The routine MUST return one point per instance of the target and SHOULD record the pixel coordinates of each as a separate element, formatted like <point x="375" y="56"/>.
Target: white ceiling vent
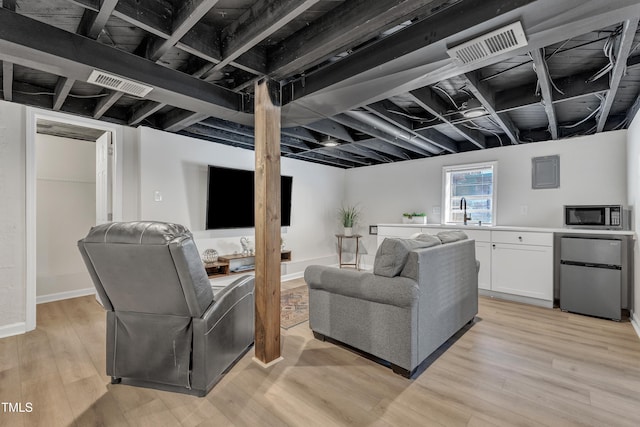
<point x="118" y="83"/>
<point x="491" y="44"/>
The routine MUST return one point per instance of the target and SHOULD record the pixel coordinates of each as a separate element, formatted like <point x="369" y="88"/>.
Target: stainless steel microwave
<point x="608" y="217"/>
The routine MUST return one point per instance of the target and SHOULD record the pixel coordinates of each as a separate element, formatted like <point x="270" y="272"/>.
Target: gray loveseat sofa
<point x="165" y="328"/>
<point x="421" y="292"/>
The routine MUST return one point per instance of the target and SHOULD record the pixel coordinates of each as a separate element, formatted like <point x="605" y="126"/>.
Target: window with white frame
<point x="476" y="184"/>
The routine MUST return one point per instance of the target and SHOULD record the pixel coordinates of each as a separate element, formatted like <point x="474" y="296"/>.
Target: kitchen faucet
<point x="463" y="202"/>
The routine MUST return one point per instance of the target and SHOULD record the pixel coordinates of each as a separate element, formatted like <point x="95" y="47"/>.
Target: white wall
<point x="633" y="174"/>
<point x="176" y="166"/>
<point x="592" y="170"/>
<point x="66" y="210"/>
<point x="12" y="218"/>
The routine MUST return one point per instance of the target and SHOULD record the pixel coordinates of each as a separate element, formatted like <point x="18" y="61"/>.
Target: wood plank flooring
<point x="517" y="365"/>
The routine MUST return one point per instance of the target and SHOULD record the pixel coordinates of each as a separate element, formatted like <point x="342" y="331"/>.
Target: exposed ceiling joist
<point x="458" y="17"/>
<point x="177" y="120"/>
<point x="323" y="159"/>
<point x="9" y="4"/>
<point x="105" y="103"/>
<point x="361" y="151"/>
<point x="92" y="23"/>
<point x="629" y="29"/>
<point x="142" y="110"/>
<point x="388" y="111"/>
<point x="348" y="24"/>
<point x="75" y="57"/>
<point x="542" y="70"/>
<point x="336" y="154"/>
<point x="63" y="86"/>
<point x="184" y="19"/>
<point x="427" y="99"/>
<point x="383" y="147"/>
<point x="485" y="95"/>
<point x="7" y="80"/>
<point x="301" y="133"/>
<point x="257" y="23"/>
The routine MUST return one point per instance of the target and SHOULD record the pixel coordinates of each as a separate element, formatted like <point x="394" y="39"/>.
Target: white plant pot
<point x="406" y="220"/>
<point x="348" y="231"/>
<point x="419" y="219"/>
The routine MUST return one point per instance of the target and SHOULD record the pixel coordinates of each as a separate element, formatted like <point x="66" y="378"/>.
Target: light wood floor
<point x="518" y="365"/>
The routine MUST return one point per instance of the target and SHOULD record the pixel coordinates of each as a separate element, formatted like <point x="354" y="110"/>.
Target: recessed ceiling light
<point x="473" y="109"/>
<point x="331" y="143"/>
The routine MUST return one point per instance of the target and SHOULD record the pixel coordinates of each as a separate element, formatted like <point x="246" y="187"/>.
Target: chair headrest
<point x="137" y="232"/>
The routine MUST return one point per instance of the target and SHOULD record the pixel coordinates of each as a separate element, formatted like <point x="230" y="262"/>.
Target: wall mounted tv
<point x="230" y="198"/>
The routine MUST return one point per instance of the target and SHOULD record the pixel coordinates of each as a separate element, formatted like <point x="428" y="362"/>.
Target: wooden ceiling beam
<point x="629" y="29"/>
<point x="259" y="22"/>
<point x="75" y="57"/>
<point x="106" y="102"/>
<point x="383" y="109"/>
<point x="63" y="87"/>
<point x="92" y="23"/>
<point x="485" y="95"/>
<point x="542" y="70"/>
<point x="7" y="80"/>
<point x="450" y="21"/>
<point x="183" y="20"/>
<point x="347" y="25"/>
<point x="427" y="99"/>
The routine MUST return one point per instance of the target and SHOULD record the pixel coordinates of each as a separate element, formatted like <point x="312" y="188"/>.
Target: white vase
<point x="348" y="231"/>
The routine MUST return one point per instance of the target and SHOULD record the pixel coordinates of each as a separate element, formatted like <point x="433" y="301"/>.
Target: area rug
<point x="294" y="306"/>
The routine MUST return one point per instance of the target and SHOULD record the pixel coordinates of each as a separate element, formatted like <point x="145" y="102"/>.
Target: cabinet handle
<point x="520" y="238"/>
<point x="494" y="246"/>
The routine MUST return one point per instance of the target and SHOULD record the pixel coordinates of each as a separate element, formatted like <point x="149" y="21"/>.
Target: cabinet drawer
<point x="522" y="238"/>
<point x="478" y="235"/>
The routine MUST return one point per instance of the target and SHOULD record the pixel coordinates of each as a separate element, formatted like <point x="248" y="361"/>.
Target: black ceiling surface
<point x="362" y="82"/>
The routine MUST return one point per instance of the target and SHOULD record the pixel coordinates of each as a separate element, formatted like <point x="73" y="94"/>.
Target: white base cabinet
<point x="513" y="263"/>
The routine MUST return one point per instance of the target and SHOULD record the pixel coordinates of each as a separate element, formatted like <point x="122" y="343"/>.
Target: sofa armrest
<point x="226" y="299"/>
<point x="397" y="291"/>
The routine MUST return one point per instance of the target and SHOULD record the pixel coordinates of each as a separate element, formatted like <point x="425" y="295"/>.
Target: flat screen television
<point x="230" y="198"/>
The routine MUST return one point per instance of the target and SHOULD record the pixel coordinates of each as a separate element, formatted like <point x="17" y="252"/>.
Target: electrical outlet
<point x="157" y="196"/>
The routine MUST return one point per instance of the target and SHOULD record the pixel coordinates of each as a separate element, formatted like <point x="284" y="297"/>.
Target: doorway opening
<point x="73" y="182"/>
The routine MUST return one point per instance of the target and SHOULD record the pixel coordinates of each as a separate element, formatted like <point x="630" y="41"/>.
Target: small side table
<point x="340" y="239"/>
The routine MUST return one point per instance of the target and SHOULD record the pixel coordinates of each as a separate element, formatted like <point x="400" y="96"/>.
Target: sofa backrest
<point x="393" y="253"/>
<point x="147" y="267"/>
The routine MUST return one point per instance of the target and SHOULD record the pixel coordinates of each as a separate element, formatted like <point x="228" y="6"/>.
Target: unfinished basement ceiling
<point x="362" y="82"/>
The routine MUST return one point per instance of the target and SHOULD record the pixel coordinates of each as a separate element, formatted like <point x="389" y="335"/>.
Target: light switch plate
<point x="157" y="196"/>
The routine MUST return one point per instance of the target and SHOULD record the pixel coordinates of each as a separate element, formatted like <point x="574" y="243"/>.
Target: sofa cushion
<point x="426" y="238"/>
<point x="451" y="236"/>
<point x="393" y="252"/>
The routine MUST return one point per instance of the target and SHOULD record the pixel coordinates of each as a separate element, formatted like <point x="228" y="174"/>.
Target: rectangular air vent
<point x="118" y="83"/>
<point x="491" y="44"/>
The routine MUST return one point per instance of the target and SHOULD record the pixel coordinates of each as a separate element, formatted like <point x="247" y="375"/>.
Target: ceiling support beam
<point x="267" y="219"/>
<point x="92" y="23"/>
<point x="256" y="24"/>
<point x="105" y="103"/>
<point x="301" y="133"/>
<point x="177" y="120"/>
<point x="63" y="87"/>
<point x="348" y="24"/>
<point x="361" y="151"/>
<point x="142" y="110"/>
<point x="322" y="159"/>
<point x="336" y="154"/>
<point x="427" y="99"/>
<point x="456" y="18"/>
<point x="485" y="95"/>
<point x="7" y="80"/>
<point x="545" y="89"/>
<point x="384" y="110"/>
<point x="75" y="57"/>
<point x="186" y="17"/>
<point x="383" y="147"/>
<point x="629" y="29"/>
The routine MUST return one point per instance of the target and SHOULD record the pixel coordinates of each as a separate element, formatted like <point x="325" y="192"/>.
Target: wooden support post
<point x="267" y="220"/>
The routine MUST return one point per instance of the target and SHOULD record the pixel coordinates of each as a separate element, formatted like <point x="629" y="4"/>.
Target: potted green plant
<point x="414" y="218"/>
<point x="349" y="216"/>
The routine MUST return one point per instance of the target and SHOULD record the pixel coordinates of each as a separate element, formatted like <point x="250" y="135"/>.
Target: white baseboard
<point x="41" y="299"/>
<point x="635" y="321"/>
<point x="13" y="329"/>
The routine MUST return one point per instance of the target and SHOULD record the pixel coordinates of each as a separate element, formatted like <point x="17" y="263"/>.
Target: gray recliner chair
<point x="165" y="330"/>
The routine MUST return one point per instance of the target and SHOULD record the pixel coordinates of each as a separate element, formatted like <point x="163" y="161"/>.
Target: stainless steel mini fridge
<point x="591" y="276"/>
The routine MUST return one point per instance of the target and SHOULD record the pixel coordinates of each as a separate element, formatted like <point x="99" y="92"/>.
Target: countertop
<point x="516" y="228"/>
